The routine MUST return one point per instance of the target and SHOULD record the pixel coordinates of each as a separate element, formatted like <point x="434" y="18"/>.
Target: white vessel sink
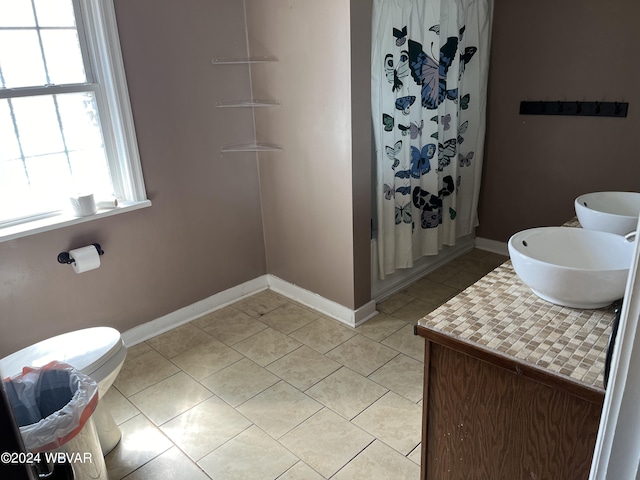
<point x="573" y="267"/>
<point x="615" y="212"/>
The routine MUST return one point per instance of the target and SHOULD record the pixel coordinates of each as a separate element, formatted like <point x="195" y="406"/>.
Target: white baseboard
<point x="327" y="307"/>
<point x="492" y="246"/>
<point x="350" y="317"/>
<point x="191" y="312"/>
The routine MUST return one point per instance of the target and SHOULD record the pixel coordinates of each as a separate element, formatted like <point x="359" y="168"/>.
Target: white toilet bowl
<point x="98" y="352"/>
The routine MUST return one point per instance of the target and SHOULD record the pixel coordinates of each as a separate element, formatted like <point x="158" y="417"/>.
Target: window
<point x="65" y="119"/>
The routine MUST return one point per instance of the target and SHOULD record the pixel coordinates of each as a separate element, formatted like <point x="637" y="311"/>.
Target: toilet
<point x="98" y="352"/>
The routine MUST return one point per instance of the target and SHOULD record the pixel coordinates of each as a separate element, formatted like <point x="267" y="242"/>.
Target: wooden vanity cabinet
<point x="488" y="416"/>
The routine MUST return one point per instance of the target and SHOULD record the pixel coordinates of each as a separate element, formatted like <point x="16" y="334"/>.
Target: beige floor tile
<point x="414" y="311"/>
<point x="205" y="427"/>
<point x="289" y="317"/>
<point x="250" y="455"/>
<point x="301" y="471"/>
<point x="393" y="303"/>
<point x="326" y="442"/>
<point x="362" y="354"/>
<point x="120" y="408"/>
<point x="279" y="409"/>
<point x="206" y="358"/>
<point x="346" y="392"/>
<point x="171" y="465"/>
<point x="379" y="462"/>
<point x="239" y="382"/>
<point x="478" y="261"/>
<point x="415" y="455"/>
<point x="406" y="342"/>
<point x="168" y="398"/>
<point x="394" y="420"/>
<point x="260" y="304"/>
<point x="229" y="325"/>
<point x="137" y="350"/>
<point x="323" y="334"/>
<point x="313" y="426"/>
<point x="442" y="274"/>
<point x="178" y="340"/>
<point x="143" y="371"/>
<point x="380" y="326"/>
<point x="462" y="280"/>
<point x="431" y="292"/>
<point x="141" y="441"/>
<point x="402" y="375"/>
<point x="303" y="367"/>
<point x="266" y="346"/>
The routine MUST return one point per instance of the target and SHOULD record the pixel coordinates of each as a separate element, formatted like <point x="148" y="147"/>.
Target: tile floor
<point x="266" y="388"/>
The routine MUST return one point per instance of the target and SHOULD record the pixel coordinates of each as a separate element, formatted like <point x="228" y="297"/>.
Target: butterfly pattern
<point x="403" y="213"/>
<point x="446" y="152"/>
<point x="462" y="129"/>
<point x="431" y="73"/>
<point x="428" y="68"/>
<point x="389" y="191"/>
<point x="393" y="151"/>
<point x="387" y="121"/>
<point x="404" y="103"/>
<point x="414" y="130"/>
<point x="401" y="36"/>
<point x="395" y="75"/>
<point x="464" y="101"/>
<point x="421" y="159"/>
<point x="466" y="58"/>
<point x="465" y="160"/>
<point x="445" y="120"/>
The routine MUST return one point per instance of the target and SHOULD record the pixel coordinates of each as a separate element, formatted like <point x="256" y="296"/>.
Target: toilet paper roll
<point x="85" y="259"/>
<point x="107" y="203"/>
<point x="83" y="205"/>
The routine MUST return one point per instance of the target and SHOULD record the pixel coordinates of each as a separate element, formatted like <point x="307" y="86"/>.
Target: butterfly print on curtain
<point x="411" y="62"/>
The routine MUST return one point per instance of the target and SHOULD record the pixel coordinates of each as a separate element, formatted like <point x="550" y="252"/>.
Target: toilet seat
<point x="87" y="350"/>
<point x="98" y="352"/>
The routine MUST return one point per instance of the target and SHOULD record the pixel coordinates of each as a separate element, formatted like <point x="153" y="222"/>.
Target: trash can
<point x="53" y="406"/>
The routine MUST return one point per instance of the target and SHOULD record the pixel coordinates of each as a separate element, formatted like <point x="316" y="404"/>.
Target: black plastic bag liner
<point x="51" y="404"/>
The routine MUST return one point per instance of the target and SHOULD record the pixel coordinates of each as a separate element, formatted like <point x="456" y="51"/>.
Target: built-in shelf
<point x="250" y="102"/>
<point x="247" y="103"/>
<point x="252" y="147"/>
<point x="239" y="60"/>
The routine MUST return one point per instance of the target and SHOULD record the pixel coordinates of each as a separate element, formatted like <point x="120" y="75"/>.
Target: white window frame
<point x="96" y="22"/>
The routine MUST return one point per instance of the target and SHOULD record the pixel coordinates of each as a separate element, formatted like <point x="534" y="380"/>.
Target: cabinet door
<point x="484" y="422"/>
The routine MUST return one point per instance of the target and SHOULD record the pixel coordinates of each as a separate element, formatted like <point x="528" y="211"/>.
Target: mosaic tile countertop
<point x="500" y="313"/>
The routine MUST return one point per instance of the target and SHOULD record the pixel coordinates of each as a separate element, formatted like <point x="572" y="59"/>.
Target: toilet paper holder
<point x="64" y="258"/>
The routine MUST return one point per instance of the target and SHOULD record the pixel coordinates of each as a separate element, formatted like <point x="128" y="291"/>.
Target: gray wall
<point x="535" y="166"/>
<point x="315" y="194"/>
<point x="204" y="232"/>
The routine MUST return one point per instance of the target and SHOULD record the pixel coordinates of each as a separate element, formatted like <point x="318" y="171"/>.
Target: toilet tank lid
<point x="86" y="350"/>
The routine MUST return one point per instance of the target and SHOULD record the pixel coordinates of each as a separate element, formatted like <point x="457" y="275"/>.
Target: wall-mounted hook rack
<point x="576" y="107"/>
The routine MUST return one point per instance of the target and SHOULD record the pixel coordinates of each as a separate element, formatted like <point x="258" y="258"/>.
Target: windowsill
<point x="65" y="220"/>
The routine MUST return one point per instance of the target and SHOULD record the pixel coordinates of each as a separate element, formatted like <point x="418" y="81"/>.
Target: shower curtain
<point x="430" y="61"/>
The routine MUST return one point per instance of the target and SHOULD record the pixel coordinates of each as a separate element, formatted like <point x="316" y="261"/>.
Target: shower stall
<point x="429" y="75"/>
